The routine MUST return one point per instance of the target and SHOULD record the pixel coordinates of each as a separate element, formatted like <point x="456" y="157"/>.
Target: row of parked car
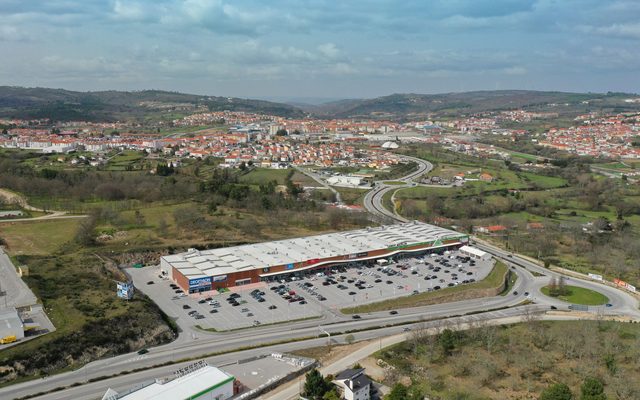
<point x="289" y="295"/>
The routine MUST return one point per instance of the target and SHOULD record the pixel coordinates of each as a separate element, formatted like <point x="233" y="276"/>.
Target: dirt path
<point x="17" y="199"/>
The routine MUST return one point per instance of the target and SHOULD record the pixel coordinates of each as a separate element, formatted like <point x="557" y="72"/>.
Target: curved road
<point x="373" y="201"/>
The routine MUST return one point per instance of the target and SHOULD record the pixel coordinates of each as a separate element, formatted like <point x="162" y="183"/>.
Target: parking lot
<point x="361" y="284"/>
<point x="213" y="310"/>
<point x="308" y="296"/>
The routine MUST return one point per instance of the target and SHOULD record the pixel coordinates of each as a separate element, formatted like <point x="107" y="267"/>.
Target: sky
<point x="321" y="48"/>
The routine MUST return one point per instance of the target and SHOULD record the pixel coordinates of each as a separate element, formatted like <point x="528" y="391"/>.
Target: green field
<point x="127" y="158"/>
<point x="38" y="237"/>
<point x="260" y="176"/>
<point x="578" y="295"/>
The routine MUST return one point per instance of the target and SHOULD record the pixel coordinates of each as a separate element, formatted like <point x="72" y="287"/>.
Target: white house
<point x="353" y="384"/>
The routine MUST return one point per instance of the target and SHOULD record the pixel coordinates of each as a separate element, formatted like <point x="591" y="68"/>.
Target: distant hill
<point x="410" y="106"/>
<point x="65" y="105"/>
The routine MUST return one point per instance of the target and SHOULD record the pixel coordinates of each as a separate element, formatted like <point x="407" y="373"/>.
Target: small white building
<point x="344" y="180"/>
<point x="353" y="384"/>
<point x="11" y="324"/>
<point x="197" y="381"/>
<point x="475" y="253"/>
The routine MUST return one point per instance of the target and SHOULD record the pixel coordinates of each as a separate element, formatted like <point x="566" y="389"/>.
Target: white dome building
<point x="390" y="145"/>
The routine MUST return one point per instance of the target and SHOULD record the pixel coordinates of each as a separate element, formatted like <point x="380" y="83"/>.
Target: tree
<point x="592" y="389"/>
<point x="331" y="395"/>
<point x="557" y="391"/>
<point x="281" y="132"/>
<point x="140" y="220"/>
<point x="164" y="169"/>
<point x="349" y="339"/>
<point x="398" y="392"/>
<point x="447" y="341"/>
<point x="84" y="234"/>
<point x="315" y="386"/>
<point x="162" y="227"/>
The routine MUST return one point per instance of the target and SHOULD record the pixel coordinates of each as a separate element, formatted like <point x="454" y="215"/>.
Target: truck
<point x="8" y="339"/>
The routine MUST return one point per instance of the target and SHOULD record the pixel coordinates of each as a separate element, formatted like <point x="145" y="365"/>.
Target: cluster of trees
<point x="591" y="389"/>
<point x="223" y="188"/>
<point x="474" y="206"/>
<point x="401" y="392"/>
<point x="317" y="387"/>
<point x="57" y="185"/>
<point x="558" y="287"/>
<point x="164" y="169"/>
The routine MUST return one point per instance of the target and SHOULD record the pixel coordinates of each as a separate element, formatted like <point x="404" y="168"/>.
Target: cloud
<point x="631" y="30"/>
<point x="329" y="50"/>
<point x="13" y="34"/>
<point x="515" y="70"/>
<point x="382" y="42"/>
<point x="130" y="10"/>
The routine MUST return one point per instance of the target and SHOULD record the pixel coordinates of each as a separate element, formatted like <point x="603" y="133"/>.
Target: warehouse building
<point x="197" y="381"/>
<point x="475" y="253"/>
<point x="199" y="271"/>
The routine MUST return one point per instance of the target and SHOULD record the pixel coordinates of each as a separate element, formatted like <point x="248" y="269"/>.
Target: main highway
<point x="262" y="340"/>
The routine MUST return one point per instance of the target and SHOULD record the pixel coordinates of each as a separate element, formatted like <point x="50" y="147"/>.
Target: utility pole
<point x="322" y="330"/>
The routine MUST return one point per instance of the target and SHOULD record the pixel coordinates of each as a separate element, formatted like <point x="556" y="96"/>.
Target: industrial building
<point x="475" y="253"/>
<point x="197" y="381"/>
<point x="11" y="326"/>
<point x="199" y="271"/>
